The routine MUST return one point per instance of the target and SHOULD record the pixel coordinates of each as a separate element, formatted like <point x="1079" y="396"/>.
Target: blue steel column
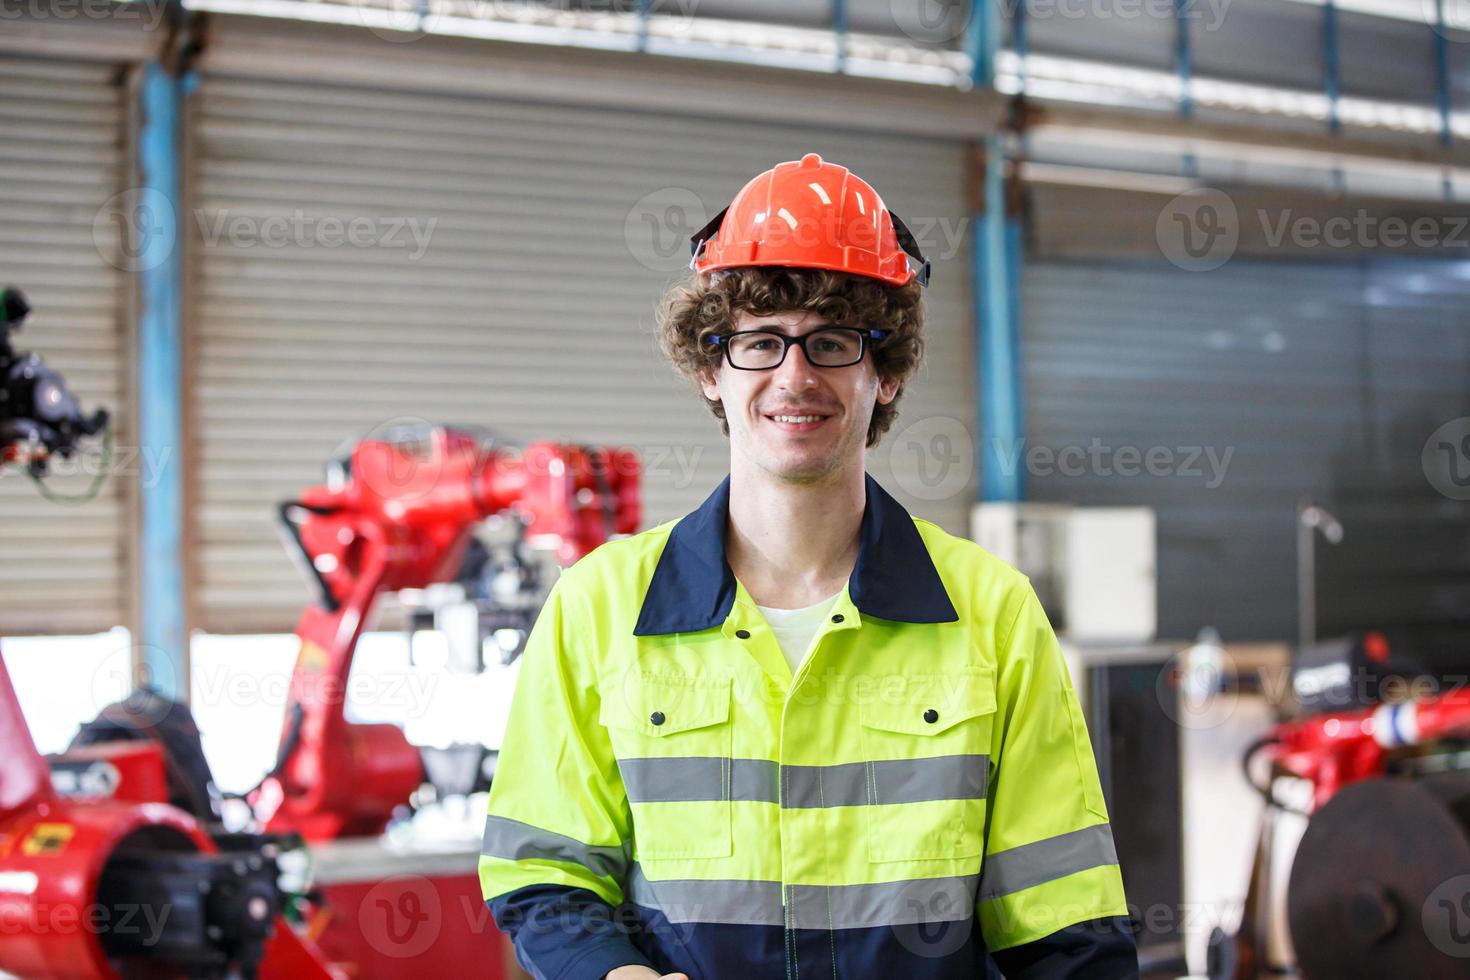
<point x="839" y="32"/>
<point x="996" y="285"/>
<point x="1442" y="79"/>
<point x="1331" y="72"/>
<point x="1184" y="65"/>
<point x="163" y="637"/>
<point x="1332" y="80"/>
<point x="645" y="9"/>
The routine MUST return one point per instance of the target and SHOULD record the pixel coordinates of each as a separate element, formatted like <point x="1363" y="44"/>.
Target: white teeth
<point x="797" y="418"/>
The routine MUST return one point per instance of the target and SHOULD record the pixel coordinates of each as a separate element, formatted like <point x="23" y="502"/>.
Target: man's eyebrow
<point x="781" y="328"/>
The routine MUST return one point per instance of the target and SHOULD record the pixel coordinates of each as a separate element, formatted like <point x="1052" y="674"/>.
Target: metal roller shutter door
<point x="1321" y="379"/>
<point x="529" y="312"/>
<point x="64" y="569"/>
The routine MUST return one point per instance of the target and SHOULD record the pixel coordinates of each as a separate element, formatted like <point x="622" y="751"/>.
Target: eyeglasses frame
<point x="865" y="337"/>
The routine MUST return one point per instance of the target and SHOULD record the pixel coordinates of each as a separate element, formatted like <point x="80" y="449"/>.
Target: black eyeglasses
<point x="761" y="350"/>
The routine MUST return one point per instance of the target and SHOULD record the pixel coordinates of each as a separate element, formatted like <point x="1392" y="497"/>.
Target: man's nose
<point x="796" y="371"/>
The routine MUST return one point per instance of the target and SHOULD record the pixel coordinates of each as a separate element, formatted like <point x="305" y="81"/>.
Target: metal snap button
<point x="837" y="618"/>
<point x="931" y="716"/>
<point x="657" y="717"/>
<point x="743" y="634"/>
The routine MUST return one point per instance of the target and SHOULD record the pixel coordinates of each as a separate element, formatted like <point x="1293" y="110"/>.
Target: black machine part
<point x="1380" y="886"/>
<point x="36" y="406"/>
<point x="1348" y="672"/>
<point x="147" y="715"/>
<point x="194" y="915"/>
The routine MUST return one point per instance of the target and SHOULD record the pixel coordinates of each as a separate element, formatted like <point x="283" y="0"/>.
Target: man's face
<point x="835" y="405"/>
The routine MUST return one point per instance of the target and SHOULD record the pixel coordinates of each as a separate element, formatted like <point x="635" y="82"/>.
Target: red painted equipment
<point x="400" y="515"/>
<point x="1331" y="751"/>
<point x="129" y="872"/>
<point x="110" y="880"/>
<point x="1383" y="866"/>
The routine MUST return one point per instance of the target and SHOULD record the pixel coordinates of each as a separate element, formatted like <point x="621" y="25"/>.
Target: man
<point x="782" y="735"/>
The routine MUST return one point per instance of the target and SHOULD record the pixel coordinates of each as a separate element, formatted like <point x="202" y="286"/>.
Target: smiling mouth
<point x="804" y="422"/>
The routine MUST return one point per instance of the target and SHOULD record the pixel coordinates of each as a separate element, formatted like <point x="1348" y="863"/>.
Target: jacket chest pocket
<point x="929" y="768"/>
<point x="672" y="738"/>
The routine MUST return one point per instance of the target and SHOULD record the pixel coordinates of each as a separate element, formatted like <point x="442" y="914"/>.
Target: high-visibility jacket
<point x="921" y="797"/>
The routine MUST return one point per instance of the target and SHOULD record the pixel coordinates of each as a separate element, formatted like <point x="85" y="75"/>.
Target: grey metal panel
<point x="1457" y="53"/>
<point x="1319" y="379"/>
<point x="929" y="23"/>
<point x="1388" y="59"/>
<point x="1137" y="34"/>
<point x="1262" y="42"/>
<point x="529" y="310"/>
<point x="65" y="568"/>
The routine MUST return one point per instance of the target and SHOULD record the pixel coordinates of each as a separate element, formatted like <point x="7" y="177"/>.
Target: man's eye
<point x="763" y="344"/>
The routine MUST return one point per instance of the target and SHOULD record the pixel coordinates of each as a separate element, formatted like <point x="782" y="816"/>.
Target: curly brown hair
<point x="706" y="304"/>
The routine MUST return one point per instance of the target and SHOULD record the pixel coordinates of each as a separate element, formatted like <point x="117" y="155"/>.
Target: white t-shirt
<point x="795" y="629"/>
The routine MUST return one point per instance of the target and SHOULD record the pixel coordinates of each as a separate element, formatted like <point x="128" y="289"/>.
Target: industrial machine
<point x="122" y="884"/>
<point x="397" y="515"/>
<point x="39" y="416"/>
<point x="114" y="860"/>
<point x="1380" y="881"/>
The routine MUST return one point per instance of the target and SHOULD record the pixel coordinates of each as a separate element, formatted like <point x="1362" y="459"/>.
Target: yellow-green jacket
<point x="920" y="796"/>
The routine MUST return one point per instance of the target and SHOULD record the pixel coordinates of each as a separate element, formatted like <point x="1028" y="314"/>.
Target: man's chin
<point x="801" y="468"/>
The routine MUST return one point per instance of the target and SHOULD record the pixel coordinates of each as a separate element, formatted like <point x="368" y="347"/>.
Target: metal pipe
<point x="163" y="646"/>
<point x="839" y="31"/>
<point x="1309" y="520"/>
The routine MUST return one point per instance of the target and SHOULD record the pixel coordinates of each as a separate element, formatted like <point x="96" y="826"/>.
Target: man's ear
<point x="709" y="384"/>
<point x="888" y="389"/>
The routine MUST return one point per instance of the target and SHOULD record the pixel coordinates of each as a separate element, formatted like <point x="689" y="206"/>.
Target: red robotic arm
<point x="401" y="515"/>
<point x="1335" y="749"/>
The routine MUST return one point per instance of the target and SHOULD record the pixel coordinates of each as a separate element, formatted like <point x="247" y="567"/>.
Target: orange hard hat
<point x="812" y="215"/>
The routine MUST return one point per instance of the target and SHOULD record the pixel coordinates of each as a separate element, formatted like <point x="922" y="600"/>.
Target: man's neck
<point x="794" y="544"/>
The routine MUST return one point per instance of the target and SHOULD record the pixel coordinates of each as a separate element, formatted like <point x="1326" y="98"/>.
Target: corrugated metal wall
<point x="65" y="568"/>
<point x="1317" y="379"/>
<point x="546" y="235"/>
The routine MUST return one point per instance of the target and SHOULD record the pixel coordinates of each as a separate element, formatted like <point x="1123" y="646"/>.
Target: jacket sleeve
<point x="558" y="834"/>
<point x="1051" y="902"/>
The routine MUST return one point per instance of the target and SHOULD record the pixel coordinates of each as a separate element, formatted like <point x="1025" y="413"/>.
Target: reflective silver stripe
<point x="945" y="777"/>
<point x="696" y="778"/>
<point x="749" y="903"/>
<point x="1046" y="860"/>
<point x="516" y="841"/>
<point x="891" y="903"/>
<point x="686" y="779"/>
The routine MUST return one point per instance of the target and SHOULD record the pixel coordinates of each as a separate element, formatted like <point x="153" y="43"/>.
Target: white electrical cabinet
<point x="1092" y="567"/>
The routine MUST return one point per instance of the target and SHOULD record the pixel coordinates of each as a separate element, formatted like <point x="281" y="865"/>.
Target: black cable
<point x="86" y="495"/>
<point x="1267" y="791"/>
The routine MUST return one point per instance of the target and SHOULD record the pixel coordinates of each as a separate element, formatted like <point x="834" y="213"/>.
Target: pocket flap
<point x="666" y="704"/>
<point x="948" y="700"/>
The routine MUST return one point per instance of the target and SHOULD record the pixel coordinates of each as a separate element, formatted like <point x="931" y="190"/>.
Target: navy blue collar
<point x="692" y="588"/>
